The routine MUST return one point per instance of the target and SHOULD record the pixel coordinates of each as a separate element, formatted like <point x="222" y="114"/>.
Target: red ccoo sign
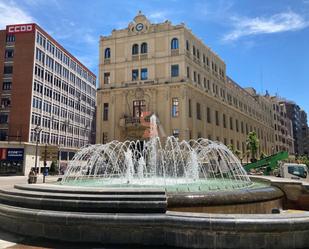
<point x="20" y="28"/>
<point x="3" y="153"/>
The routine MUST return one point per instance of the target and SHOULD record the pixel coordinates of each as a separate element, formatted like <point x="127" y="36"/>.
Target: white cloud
<point x="11" y="14"/>
<point x="36" y="3"/>
<point x="287" y="21"/>
<point x="91" y="39"/>
<point x="158" y="16"/>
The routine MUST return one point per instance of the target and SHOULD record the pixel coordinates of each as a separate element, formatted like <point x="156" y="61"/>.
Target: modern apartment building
<point x="283" y="127"/>
<point x="43" y="85"/>
<point x="164" y="69"/>
<point x="305" y="134"/>
<point x="299" y="120"/>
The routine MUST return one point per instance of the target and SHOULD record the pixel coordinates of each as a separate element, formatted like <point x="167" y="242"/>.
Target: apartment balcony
<point x="130" y="121"/>
<point x="174" y="52"/>
<point x="8" y="60"/>
<point x="7" y="75"/>
<point x="135" y="57"/>
<point x="144" y="120"/>
<point x="135" y="127"/>
<point x="143" y="56"/>
<point x="10" y="44"/>
<point x="4" y="125"/>
<point x="107" y="61"/>
<point x="5" y="107"/>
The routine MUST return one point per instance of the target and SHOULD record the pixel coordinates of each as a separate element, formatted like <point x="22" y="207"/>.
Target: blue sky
<point x="264" y="43"/>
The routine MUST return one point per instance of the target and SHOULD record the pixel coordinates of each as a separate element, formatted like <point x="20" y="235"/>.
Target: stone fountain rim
<point x="174" y="199"/>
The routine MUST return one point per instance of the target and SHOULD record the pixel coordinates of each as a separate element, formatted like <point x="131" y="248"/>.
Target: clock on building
<point x="139" y="26"/>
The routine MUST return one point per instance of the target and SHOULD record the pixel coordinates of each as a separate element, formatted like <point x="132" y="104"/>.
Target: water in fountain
<point x="195" y="165"/>
<point x="130" y="166"/>
<point x="140" y="168"/>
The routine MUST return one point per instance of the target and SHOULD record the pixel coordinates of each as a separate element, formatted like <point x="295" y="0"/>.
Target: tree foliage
<point x="252" y="145"/>
<point x="303" y="159"/>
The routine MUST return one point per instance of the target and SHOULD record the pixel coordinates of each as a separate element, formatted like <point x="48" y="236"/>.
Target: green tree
<point x="253" y="144"/>
<point x="304" y="160"/>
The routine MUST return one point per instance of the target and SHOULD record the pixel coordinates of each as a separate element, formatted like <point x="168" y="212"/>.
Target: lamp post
<point x="37" y="131"/>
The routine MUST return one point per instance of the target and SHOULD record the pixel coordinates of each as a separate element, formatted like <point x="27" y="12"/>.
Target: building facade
<point x="299" y="120"/>
<point x="164" y="69"/>
<point x="283" y="127"/>
<point x="294" y="113"/>
<point x="43" y="85"/>
<point x="305" y="134"/>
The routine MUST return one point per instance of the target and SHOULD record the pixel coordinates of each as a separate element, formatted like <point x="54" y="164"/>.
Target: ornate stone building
<point x="164" y="69"/>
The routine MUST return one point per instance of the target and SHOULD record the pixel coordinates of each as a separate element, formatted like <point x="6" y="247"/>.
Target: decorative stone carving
<point x="140" y="24"/>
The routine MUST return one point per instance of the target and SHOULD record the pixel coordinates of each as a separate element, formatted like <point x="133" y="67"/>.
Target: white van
<point x="294" y="171"/>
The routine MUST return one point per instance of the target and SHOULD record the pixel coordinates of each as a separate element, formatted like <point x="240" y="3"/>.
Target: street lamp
<point x="37" y="131"/>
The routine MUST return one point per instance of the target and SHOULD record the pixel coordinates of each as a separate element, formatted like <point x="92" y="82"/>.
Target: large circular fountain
<point x="192" y="194"/>
<point x="196" y="165"/>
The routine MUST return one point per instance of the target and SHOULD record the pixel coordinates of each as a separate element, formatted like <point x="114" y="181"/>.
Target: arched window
<point x="187" y="45"/>
<point x="107" y="53"/>
<point x="174" y="43"/>
<point x="135" y="49"/>
<point x="144" y="48"/>
<point x="193" y="50"/>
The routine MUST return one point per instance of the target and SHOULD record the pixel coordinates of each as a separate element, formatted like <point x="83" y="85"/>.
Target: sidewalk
<point x="9" y="181"/>
<point x="9" y="240"/>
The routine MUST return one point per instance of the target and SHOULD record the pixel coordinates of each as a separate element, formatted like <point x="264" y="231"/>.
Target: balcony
<point x="135" y="57"/>
<point x="4" y="125"/>
<point x="5" y="107"/>
<point x="174" y="52"/>
<point x="144" y="56"/>
<point x="9" y="59"/>
<point x="135" y="127"/>
<point x="128" y="121"/>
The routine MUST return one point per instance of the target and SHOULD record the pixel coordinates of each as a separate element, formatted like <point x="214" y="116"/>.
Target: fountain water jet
<point x="129" y="164"/>
<point x="195" y="165"/>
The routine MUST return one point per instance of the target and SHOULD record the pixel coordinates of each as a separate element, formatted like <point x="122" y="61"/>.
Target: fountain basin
<point x="258" y="200"/>
<point x="168" y="184"/>
<point x="147" y="217"/>
<point x="132" y="193"/>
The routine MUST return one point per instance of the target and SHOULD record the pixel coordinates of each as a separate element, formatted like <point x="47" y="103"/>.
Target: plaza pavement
<point x="8" y="240"/>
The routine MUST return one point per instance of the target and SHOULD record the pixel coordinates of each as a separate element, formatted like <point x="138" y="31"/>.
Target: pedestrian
<point x="31" y="176"/>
